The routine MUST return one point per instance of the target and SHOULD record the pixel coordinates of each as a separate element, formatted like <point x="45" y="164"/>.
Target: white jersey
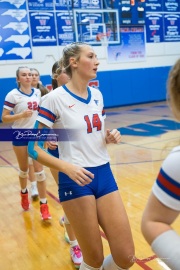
<point x="17" y="102"/>
<point x="85" y="116"/>
<point x="167" y="185"/>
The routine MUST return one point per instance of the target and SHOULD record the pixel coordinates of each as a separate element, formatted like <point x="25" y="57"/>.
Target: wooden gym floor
<point x="149" y="133"/>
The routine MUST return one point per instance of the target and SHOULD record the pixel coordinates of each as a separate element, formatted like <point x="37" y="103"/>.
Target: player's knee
<point x="23" y="174"/>
<point x="40" y="176"/>
<point x="127" y="260"/>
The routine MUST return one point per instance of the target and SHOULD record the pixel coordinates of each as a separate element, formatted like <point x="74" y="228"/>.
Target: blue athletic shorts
<point x="102" y="184"/>
<point x="54" y="153"/>
<point x="20" y="143"/>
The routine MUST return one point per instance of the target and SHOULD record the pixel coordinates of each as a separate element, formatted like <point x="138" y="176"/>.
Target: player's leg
<point x="82" y="214"/>
<point x="75" y="251"/>
<point x="41" y="185"/>
<point x="32" y="179"/>
<point x="114" y="221"/>
<point x="156" y="228"/>
<point x="22" y="158"/>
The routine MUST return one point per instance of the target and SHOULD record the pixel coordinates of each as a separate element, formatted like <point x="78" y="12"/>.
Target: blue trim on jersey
<point x="79" y="98"/>
<point x="103" y="112"/>
<point x="168" y="185"/>
<point x="45" y="113"/>
<point x="9" y="104"/>
<point x="25" y="93"/>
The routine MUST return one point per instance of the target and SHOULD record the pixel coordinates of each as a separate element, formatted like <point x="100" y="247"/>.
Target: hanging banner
<point x="154" y="5"/>
<point x="132" y="47"/>
<point x="43" y="29"/>
<point x="154" y="27"/>
<point x="40" y="5"/>
<point x="171" y="5"/>
<point x="172" y="27"/>
<point x="67" y="4"/>
<point x="13" y="4"/>
<point x="14" y="35"/>
<point x="65" y="27"/>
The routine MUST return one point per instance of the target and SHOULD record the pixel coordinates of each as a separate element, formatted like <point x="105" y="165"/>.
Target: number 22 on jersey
<point x="33" y="106"/>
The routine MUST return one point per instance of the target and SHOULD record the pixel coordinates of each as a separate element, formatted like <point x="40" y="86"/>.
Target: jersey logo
<point x="96" y="101"/>
<point x="70" y="106"/>
<point x="68" y="193"/>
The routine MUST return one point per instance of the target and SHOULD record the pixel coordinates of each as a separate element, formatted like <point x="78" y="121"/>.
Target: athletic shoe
<point x="76" y="256"/>
<point x="34" y="192"/>
<point x="25" y="201"/>
<point x="66" y="237"/>
<point x="45" y="215"/>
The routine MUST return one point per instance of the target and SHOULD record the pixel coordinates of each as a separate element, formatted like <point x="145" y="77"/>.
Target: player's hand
<point x="79" y="175"/>
<point x="51" y="145"/>
<point x="113" y="136"/>
<point x="27" y="113"/>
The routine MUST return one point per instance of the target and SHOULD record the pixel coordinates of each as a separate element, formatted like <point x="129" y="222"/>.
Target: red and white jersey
<point x="17" y="102"/>
<point x="167" y="185"/>
<point x="85" y="117"/>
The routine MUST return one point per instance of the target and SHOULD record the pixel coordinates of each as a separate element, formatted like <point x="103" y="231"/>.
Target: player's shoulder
<point x="57" y="93"/>
<point x="95" y="91"/>
<point x="176" y="150"/>
<point x="53" y="94"/>
<point x="37" y="91"/>
<point x="13" y="92"/>
<point x="172" y="160"/>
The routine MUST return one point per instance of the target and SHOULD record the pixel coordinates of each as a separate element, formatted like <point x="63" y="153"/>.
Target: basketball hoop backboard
<point x="97" y="26"/>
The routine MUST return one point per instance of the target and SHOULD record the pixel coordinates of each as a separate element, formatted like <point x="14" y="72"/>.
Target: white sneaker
<point x="34" y="192"/>
<point x="76" y="256"/>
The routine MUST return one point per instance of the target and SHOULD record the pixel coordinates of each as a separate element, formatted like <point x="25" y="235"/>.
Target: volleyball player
<point x="23" y="101"/>
<point x="87" y="189"/>
<point x="163" y="206"/>
<point x="75" y="252"/>
<point x="36" y="83"/>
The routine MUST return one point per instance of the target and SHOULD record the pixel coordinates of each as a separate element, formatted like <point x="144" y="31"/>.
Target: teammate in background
<point x="75" y="251"/>
<point x="163" y="206"/>
<point x="87" y="189"/>
<point x="23" y="101"/>
<point x="36" y="83"/>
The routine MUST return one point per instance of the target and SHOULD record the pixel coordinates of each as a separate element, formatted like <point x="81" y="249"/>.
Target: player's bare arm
<point x="78" y="174"/>
<point x="7" y="117"/>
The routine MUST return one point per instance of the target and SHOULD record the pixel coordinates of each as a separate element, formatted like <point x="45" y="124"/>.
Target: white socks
<point x="109" y="264"/>
<point x="43" y="200"/>
<point x="167" y="247"/>
<point x="84" y="266"/>
<point x="73" y="243"/>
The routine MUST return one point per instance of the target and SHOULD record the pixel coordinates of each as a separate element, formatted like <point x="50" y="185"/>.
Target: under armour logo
<point x="68" y="193"/>
<point x="96" y="101"/>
